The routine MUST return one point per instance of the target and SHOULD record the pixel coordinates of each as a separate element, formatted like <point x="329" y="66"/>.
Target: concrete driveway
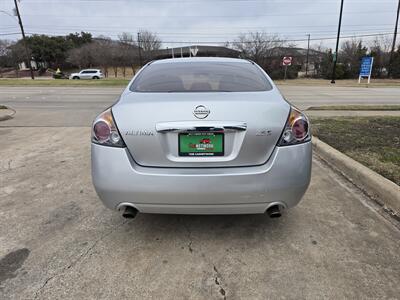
<point x="58" y="242"/>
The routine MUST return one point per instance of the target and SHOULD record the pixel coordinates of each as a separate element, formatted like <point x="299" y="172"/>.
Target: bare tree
<point x="81" y="57"/>
<point x="105" y="53"/>
<point x="17" y="56"/>
<point x="129" y="52"/>
<point x="380" y="48"/>
<point x="127" y="38"/>
<point x="319" y="47"/>
<point x="103" y="48"/>
<point x="258" y="46"/>
<point x="4" y="47"/>
<point x="5" y="55"/>
<point x="350" y="55"/>
<point x="148" y="42"/>
<point x="97" y="53"/>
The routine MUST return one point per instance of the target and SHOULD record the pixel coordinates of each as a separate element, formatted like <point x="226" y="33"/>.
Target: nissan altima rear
<point x="201" y="136"/>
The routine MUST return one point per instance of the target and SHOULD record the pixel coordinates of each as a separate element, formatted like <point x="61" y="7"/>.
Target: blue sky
<point x="180" y="22"/>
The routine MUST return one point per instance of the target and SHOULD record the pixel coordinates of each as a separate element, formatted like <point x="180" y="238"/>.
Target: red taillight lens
<point x="300" y="129"/>
<point x="101" y="131"/>
<point x="296" y="129"/>
<point x="105" y="132"/>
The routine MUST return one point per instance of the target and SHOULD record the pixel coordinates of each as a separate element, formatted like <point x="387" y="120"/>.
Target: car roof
<point x="200" y="59"/>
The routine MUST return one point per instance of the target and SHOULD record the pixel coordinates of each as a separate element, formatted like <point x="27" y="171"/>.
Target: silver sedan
<point x="201" y="136"/>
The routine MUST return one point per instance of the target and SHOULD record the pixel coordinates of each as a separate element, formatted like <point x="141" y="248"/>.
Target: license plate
<point x="201" y="144"/>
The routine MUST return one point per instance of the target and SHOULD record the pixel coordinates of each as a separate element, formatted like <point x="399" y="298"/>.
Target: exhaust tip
<point x="129" y="212"/>
<point x="274" y="211"/>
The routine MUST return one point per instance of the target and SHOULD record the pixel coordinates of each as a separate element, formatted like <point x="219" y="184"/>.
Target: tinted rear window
<point x="201" y="77"/>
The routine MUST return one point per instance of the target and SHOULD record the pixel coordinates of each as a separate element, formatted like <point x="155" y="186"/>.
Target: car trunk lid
<point x="162" y="129"/>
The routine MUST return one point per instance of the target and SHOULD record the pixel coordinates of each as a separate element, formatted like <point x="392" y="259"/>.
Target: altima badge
<point x="139" y="132"/>
<point x="263" y="132"/>
<point x="201" y="112"/>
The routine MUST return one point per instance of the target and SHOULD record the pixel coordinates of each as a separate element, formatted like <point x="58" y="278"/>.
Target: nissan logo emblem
<point x="201" y="112"/>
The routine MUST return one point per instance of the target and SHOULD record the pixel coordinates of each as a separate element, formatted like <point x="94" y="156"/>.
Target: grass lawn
<point x="372" y="141"/>
<point x="342" y="82"/>
<point x="356" y="107"/>
<point x="117" y="82"/>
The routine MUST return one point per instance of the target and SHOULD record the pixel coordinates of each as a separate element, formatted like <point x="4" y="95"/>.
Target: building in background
<point x="299" y="59"/>
<point x="196" y="50"/>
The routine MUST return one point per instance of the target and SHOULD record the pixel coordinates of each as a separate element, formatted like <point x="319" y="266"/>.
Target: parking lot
<point x="58" y="241"/>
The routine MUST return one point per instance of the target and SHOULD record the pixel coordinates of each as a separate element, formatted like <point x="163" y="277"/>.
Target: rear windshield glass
<point x="201" y="77"/>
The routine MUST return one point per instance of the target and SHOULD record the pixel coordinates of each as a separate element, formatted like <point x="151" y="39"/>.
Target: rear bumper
<point x="119" y="181"/>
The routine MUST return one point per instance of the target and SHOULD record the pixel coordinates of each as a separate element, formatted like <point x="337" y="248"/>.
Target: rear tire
<point x="75" y="77"/>
<point x="96" y="77"/>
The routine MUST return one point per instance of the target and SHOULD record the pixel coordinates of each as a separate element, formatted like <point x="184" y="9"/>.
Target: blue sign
<point x="366" y="66"/>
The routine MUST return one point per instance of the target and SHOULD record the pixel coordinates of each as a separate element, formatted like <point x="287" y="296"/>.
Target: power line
<point x="366" y="29"/>
<point x="8" y="27"/>
<point x="222" y="27"/>
<point x="11" y="33"/>
<point x="282" y="40"/>
<point x="293" y="40"/>
<point x="192" y="34"/>
<point x="205" y="16"/>
<point x="204" y="1"/>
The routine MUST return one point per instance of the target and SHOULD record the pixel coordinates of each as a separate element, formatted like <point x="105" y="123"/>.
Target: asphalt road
<point x="77" y="106"/>
<point x="57" y="241"/>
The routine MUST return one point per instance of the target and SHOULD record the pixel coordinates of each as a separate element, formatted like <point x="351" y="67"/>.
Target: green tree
<point x="380" y="51"/>
<point x="350" y="56"/>
<point x="52" y="50"/>
<point x="326" y="64"/>
<point x="79" y="39"/>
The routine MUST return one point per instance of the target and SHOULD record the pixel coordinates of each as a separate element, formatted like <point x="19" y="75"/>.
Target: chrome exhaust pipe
<point x="129" y="212"/>
<point x="274" y="211"/>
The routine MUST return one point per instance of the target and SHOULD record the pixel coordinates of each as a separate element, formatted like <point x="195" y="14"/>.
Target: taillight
<point x="105" y="132"/>
<point x="296" y="130"/>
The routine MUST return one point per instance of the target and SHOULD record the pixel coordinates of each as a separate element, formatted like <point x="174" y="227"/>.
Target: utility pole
<point x="335" y="55"/>
<point x="24" y="39"/>
<point x="308" y="51"/>
<point x="140" y="50"/>
<point x="394" y="41"/>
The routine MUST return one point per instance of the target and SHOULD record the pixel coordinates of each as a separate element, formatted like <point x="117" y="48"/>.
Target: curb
<point x="385" y="192"/>
<point x="8" y="114"/>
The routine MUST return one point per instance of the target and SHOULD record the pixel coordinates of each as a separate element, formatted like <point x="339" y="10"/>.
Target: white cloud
<point x="201" y="21"/>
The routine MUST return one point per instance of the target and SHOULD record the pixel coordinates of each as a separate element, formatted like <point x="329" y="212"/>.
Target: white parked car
<point x="87" y="74"/>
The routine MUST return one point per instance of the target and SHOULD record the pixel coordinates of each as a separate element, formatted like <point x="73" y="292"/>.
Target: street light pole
<point x="394" y="41"/>
<point x="24" y="39"/>
<point x="308" y="51"/>
<point x="335" y="56"/>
